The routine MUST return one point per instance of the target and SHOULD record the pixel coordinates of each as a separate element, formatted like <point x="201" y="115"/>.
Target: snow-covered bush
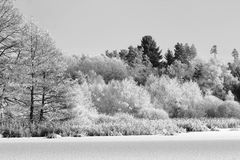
<point x="80" y="100"/>
<point x="229" y="109"/>
<point x="152" y="114"/>
<point x="119" y="96"/>
<point x="175" y="97"/>
<point x="108" y="68"/>
<point x="229" y="96"/>
<point x="210" y="104"/>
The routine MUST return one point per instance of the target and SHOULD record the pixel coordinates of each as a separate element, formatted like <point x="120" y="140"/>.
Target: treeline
<point x="38" y="84"/>
<point x="182" y="86"/>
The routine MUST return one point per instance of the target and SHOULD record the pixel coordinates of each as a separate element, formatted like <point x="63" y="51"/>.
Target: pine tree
<point x="169" y="57"/>
<point x="180" y="53"/>
<point x="151" y="50"/>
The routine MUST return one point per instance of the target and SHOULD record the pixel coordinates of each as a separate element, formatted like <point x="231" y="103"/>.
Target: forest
<point x="140" y="90"/>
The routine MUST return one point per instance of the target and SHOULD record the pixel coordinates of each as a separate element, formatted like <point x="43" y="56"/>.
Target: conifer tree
<point x="169" y="57"/>
<point x="151" y="50"/>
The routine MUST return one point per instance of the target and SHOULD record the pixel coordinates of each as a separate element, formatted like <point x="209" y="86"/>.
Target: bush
<point x="229" y="109"/>
<point x="108" y="68"/>
<point x="14" y="128"/>
<point x="152" y="114"/>
<point x="123" y="97"/>
<point x="210" y="105"/>
<point x="136" y="127"/>
<point x="175" y="97"/>
<point x="44" y="129"/>
<point x="102" y="118"/>
<point x="191" y="125"/>
<point x="80" y="99"/>
<point x="7" y="133"/>
<point x="221" y="122"/>
<point x="53" y="135"/>
<point x="120" y="124"/>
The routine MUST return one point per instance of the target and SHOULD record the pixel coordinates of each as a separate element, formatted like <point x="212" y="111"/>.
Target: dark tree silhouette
<point x="169" y="56"/>
<point x="151" y="50"/>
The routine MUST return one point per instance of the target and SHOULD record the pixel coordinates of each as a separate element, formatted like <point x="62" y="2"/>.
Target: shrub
<point x="80" y="99"/>
<point x="116" y="96"/>
<point x="45" y="129"/>
<point x="229" y="109"/>
<point x="210" y="105"/>
<point x="120" y="124"/>
<point x="7" y="133"/>
<point x="229" y="96"/>
<point x="175" y="97"/>
<point x="136" y="127"/>
<point x="102" y="118"/>
<point x="108" y="68"/>
<point x="221" y="122"/>
<point x="14" y="128"/>
<point x="152" y="114"/>
<point x="53" y="135"/>
<point x="191" y="125"/>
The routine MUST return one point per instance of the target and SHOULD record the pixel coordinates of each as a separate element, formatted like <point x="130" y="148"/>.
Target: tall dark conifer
<point x="169" y="56"/>
<point x="151" y="50"/>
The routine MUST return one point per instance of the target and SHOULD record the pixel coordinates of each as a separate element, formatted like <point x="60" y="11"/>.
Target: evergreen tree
<point x="169" y="57"/>
<point x="151" y="50"/>
<point x="180" y="53"/>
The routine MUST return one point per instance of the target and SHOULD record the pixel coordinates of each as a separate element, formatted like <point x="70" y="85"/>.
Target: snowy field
<point x="223" y="145"/>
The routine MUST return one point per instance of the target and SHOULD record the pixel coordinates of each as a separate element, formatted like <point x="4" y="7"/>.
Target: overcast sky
<point x="93" y="26"/>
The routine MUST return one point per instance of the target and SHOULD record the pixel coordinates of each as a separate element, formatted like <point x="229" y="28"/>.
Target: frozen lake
<point x="224" y="145"/>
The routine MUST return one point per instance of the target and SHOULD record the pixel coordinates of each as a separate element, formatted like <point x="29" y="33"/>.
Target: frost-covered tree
<point x="39" y="75"/>
<point x="120" y="96"/>
<point x="178" y="99"/>
<point x="108" y="68"/>
<point x="180" y="70"/>
<point x="10" y="27"/>
<point x="215" y="77"/>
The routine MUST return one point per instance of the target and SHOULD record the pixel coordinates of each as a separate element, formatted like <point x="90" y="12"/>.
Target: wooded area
<point x="142" y="84"/>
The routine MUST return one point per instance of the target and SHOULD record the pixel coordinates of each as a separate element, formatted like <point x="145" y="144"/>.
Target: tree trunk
<point x="32" y="85"/>
<point x="32" y="105"/>
<point x="43" y="100"/>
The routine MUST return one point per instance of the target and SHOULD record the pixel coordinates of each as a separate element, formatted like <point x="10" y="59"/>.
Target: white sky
<point x="93" y="26"/>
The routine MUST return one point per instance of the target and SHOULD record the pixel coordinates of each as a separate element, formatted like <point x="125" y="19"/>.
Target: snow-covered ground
<point x="222" y="145"/>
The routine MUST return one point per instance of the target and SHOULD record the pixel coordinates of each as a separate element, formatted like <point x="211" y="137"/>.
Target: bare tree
<point x="39" y="73"/>
<point x="10" y="27"/>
